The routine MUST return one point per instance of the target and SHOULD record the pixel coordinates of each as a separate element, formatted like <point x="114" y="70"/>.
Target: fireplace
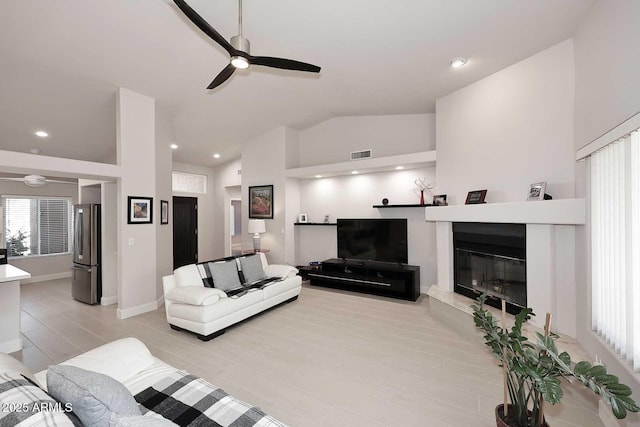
<point x="491" y="258"/>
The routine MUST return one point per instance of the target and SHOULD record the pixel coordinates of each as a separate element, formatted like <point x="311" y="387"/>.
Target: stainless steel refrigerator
<point x="86" y="283"/>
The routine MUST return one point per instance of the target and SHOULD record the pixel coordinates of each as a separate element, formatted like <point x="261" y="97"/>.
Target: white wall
<point x="263" y="163"/>
<point x="509" y="130"/>
<point x="354" y="197"/>
<point x="136" y="242"/>
<point x="164" y="164"/>
<point x="607" y="93"/>
<point x="208" y="237"/>
<point x="227" y="186"/>
<point x="607" y="68"/>
<point x="41" y="267"/>
<point x="332" y="141"/>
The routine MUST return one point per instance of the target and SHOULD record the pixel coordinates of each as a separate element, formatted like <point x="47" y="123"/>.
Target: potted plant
<point x="533" y="371"/>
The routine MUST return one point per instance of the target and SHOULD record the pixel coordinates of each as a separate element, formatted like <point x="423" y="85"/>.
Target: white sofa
<point x="208" y="311"/>
<point x="129" y="362"/>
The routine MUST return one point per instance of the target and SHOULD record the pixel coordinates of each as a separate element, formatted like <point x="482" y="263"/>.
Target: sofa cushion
<point x="225" y="275"/>
<point x="195" y="295"/>
<point x="188" y="275"/>
<point x="96" y="399"/>
<point x="216" y="311"/>
<point x="141" y="421"/>
<point x="24" y="402"/>
<point x="277" y="270"/>
<point x="120" y="359"/>
<point x="252" y="268"/>
<point x="280" y="286"/>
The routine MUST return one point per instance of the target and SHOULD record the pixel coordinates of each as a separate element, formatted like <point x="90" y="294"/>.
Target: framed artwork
<point x="164" y="212"/>
<point x="140" y="210"/>
<point x="475" y="197"/>
<point x="536" y="191"/>
<point x="302" y="218"/>
<point x="261" y="202"/>
<point x="439" y="200"/>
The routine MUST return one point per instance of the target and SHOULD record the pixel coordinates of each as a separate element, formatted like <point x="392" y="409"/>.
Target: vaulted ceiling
<point x="61" y="62"/>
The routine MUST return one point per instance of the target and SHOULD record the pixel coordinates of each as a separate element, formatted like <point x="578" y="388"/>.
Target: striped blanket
<point x="191" y="401"/>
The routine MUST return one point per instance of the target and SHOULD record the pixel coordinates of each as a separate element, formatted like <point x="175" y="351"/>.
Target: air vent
<point x="359" y="155"/>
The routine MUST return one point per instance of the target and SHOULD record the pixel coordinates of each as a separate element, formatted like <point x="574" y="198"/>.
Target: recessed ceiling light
<point x="318" y="176"/>
<point x="354" y="172"/>
<point x="42" y="134"/>
<point x="174" y="146"/>
<point x="399" y="168"/>
<point x="216" y="156"/>
<point x="457" y="62"/>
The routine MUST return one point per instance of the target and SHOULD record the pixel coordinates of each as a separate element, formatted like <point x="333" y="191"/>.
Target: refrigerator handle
<point x="78" y="234"/>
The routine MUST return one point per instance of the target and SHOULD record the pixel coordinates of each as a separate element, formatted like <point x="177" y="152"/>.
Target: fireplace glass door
<point x="497" y="275"/>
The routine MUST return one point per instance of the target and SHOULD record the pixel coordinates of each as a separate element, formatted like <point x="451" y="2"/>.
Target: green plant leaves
<point x="535" y="369"/>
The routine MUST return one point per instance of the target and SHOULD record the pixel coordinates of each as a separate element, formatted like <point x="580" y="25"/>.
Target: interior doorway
<point x="185" y="231"/>
<point x="235" y="226"/>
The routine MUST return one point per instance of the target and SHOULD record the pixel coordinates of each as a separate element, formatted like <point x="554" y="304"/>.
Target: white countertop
<point x="9" y="273"/>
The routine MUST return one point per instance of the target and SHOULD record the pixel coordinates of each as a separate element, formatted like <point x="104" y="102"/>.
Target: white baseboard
<point x="45" y="277"/>
<point x="11" y="346"/>
<point x="109" y="300"/>
<point x="135" y="311"/>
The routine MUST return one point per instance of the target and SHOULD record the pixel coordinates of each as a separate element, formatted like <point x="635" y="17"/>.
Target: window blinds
<point x="36" y="226"/>
<point x="615" y="245"/>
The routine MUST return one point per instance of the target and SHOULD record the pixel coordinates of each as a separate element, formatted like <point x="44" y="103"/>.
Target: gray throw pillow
<point x="225" y="275"/>
<point x="252" y="268"/>
<point x="97" y="399"/>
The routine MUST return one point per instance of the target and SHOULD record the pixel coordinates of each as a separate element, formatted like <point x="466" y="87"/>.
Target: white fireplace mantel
<point x="550" y="248"/>
<point x="561" y="212"/>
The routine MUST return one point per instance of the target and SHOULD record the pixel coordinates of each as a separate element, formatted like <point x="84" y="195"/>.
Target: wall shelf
<point x="401" y="206"/>
<point x="314" y="223"/>
<point x="556" y="211"/>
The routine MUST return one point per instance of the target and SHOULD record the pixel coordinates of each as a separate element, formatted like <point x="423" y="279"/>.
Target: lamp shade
<point x="256" y="226"/>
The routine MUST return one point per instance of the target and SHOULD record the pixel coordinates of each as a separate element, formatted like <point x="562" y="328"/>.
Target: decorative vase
<point x="422" y="197"/>
<point x="501" y="422"/>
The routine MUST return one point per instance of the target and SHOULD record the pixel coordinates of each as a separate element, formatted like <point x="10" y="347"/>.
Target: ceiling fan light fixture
<point x="35" y="180"/>
<point x="239" y="62"/>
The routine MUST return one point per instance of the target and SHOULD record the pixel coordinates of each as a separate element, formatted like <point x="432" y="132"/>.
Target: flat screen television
<point x="373" y="239"/>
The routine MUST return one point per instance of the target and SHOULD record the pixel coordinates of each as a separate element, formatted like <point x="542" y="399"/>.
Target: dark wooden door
<point x="185" y="231"/>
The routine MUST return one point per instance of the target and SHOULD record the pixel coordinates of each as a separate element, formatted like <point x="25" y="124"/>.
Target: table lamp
<point x="256" y="226"/>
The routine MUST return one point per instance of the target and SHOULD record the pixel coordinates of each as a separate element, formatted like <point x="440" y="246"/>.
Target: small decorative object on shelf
<point x="476" y="197"/>
<point x="440" y="200"/>
<point x="537" y="191"/>
<point x="302" y="218"/>
<point x="422" y="186"/>
<point x="385" y="201"/>
<point x="326" y="219"/>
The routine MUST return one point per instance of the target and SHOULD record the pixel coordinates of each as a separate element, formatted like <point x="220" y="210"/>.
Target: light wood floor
<point x="329" y="359"/>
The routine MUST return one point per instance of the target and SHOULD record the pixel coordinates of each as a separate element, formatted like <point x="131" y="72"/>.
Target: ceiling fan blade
<point x="222" y="76"/>
<point x="57" y="181"/>
<point x="284" y="64"/>
<point x="204" y="26"/>
<point x="6" y="178"/>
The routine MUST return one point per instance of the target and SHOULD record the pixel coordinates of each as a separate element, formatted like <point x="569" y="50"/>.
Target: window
<point x="36" y="226"/>
<point x="615" y="245"/>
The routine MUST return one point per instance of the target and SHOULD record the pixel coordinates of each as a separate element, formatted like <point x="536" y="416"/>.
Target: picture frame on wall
<point x="439" y="200"/>
<point x="261" y="202"/>
<point x="164" y="212"/>
<point x="536" y="190"/>
<point x="476" y="197"/>
<point x="139" y="210"/>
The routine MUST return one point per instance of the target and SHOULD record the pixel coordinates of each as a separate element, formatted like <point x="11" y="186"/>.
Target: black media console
<point x="379" y="278"/>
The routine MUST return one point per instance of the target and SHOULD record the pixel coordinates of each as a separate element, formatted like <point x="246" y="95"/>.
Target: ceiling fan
<point x="239" y="49"/>
<point x="36" y="180"/>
